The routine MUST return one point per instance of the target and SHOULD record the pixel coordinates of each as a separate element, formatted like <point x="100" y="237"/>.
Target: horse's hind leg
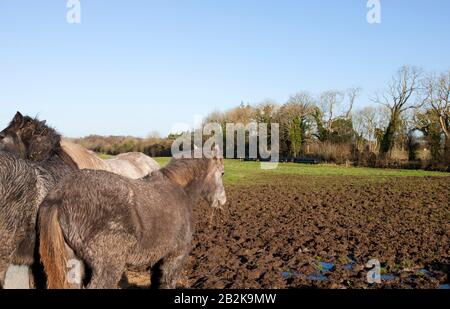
<point x="107" y="259"/>
<point x="171" y="267"/>
<point x="106" y="276"/>
<point x="3" y="268"/>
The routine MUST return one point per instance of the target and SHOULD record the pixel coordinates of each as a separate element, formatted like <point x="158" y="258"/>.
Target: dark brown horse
<point x="109" y="222"/>
<point x="31" y="139"/>
<point x="31" y="163"/>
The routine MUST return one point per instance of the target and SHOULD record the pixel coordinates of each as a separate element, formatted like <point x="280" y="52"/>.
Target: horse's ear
<point x="18" y="118"/>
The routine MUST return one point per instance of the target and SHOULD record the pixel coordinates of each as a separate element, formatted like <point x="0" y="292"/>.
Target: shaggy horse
<point x="133" y="165"/>
<point x="23" y="186"/>
<point x="32" y="140"/>
<point x="108" y="222"/>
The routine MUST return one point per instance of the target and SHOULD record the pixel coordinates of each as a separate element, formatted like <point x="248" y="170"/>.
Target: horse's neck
<point x="194" y="186"/>
<point x="194" y="189"/>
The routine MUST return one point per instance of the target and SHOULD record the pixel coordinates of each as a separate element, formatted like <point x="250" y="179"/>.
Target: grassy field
<point x="250" y="172"/>
<point x="104" y="155"/>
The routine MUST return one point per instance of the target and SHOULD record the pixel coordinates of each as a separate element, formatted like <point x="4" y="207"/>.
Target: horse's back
<point x="102" y="196"/>
<point x="83" y="158"/>
<point x="133" y="165"/>
<point x="141" y="159"/>
<point x="93" y="202"/>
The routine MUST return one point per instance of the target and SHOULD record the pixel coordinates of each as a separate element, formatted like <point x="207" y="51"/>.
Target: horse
<point x="32" y="140"/>
<point x="133" y="165"/>
<point x="31" y="163"/>
<point x="108" y="223"/>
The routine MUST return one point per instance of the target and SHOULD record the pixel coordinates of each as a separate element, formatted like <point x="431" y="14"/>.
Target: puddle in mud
<point x="323" y="269"/>
<point x="317" y="278"/>
<point x="349" y="266"/>
<point x="387" y="277"/>
<point x="424" y="272"/>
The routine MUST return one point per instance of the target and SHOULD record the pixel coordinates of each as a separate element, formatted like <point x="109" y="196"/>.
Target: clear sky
<point x="132" y="67"/>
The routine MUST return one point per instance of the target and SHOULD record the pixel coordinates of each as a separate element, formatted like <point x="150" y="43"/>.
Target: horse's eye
<point x="223" y="173"/>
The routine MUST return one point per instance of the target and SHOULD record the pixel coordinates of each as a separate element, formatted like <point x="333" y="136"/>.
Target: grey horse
<point x="31" y="163"/>
<point x="107" y="222"/>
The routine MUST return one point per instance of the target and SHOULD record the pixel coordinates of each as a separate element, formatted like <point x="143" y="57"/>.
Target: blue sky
<point x="132" y="67"/>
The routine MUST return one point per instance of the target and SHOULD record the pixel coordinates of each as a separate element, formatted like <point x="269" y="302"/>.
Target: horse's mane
<point x="182" y="171"/>
<point x="42" y="142"/>
<point x="82" y="157"/>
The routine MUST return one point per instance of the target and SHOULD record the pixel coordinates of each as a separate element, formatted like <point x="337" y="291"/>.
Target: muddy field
<point x="297" y="231"/>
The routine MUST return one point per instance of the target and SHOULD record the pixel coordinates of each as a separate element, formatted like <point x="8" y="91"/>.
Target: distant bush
<point x="330" y="152"/>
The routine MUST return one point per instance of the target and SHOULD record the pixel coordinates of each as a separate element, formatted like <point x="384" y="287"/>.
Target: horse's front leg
<point x="17" y="277"/>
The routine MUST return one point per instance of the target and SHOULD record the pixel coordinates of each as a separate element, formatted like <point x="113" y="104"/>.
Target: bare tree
<point x="398" y="99"/>
<point x="242" y="114"/>
<point x="367" y="122"/>
<point x="436" y="99"/>
<point x="265" y="111"/>
<point x="329" y="103"/>
<point x="299" y="106"/>
<point x="352" y="94"/>
<point x="364" y="122"/>
<point x="303" y="99"/>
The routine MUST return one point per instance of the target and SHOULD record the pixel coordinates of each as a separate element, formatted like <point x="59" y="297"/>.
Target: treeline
<point x="407" y="125"/>
<point x="153" y="145"/>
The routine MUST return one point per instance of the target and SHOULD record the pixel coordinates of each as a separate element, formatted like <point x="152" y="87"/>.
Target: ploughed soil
<point x="296" y="231"/>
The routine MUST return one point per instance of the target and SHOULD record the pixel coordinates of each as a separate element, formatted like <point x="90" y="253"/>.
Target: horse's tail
<point x="52" y="248"/>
